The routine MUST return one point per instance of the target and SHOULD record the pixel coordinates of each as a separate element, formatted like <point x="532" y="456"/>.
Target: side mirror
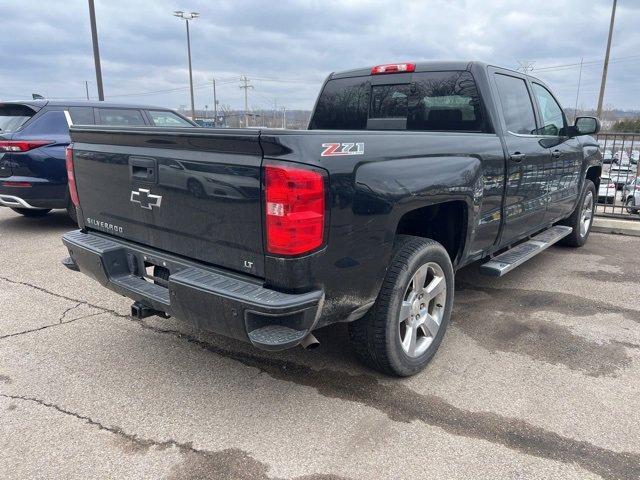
<point x="586" y="126"/>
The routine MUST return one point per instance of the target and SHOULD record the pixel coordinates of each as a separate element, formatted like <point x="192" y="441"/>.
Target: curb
<point x="616" y="226"/>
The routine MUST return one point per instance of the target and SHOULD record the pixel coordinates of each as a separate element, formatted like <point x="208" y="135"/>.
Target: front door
<point x="527" y="160"/>
<point x="566" y="156"/>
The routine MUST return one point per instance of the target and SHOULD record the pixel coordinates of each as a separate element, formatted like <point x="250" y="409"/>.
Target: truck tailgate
<point x="195" y="194"/>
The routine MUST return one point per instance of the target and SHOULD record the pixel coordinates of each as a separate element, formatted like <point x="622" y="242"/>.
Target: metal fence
<point x="619" y="192"/>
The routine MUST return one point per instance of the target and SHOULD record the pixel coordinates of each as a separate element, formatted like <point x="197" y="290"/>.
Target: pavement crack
<point x="227" y="463"/>
<point x="402" y="404"/>
<point x="64" y="314"/>
<point x="64" y="297"/>
<point x="24" y="332"/>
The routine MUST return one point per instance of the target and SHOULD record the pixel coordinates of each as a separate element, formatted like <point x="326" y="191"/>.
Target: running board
<point x="507" y="261"/>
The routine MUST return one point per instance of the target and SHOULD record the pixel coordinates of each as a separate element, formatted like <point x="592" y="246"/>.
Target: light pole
<point x="186" y="17"/>
<point x="606" y="60"/>
<point x="96" y="49"/>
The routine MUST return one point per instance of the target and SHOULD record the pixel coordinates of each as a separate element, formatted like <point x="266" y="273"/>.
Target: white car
<point x="632" y="194"/>
<point x="606" y="191"/>
<point x="622" y="174"/>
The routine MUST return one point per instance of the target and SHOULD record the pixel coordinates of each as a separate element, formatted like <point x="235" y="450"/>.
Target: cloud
<point x="288" y="47"/>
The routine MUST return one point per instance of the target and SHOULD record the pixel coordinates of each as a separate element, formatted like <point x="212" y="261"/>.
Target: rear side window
<point x="343" y="105"/>
<point x="12" y="117"/>
<point x="81" y="115"/>
<point x="164" y="118"/>
<point x="53" y="122"/>
<point x="432" y="101"/>
<point x="516" y="104"/>
<point x="116" y="116"/>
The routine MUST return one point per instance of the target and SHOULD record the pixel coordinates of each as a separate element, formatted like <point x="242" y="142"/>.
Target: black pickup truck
<point x="406" y="173"/>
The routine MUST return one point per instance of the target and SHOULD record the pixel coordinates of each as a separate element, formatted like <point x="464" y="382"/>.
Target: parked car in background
<point x="607" y="157"/>
<point x="622" y="174"/>
<point x="33" y="138"/>
<point x="606" y="190"/>
<point x="631" y="195"/>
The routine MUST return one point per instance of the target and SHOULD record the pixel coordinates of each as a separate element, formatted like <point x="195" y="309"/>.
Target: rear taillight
<point x="295" y="209"/>
<point x="393" y="68"/>
<point x="73" y="191"/>
<point x="16" y="184"/>
<point x="22" y="145"/>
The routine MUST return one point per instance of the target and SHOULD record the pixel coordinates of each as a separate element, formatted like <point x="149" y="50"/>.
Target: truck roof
<point x="423" y="66"/>
<point x="79" y="103"/>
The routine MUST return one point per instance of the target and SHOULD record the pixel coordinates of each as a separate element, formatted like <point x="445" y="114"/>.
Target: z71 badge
<point x="342" y="149"/>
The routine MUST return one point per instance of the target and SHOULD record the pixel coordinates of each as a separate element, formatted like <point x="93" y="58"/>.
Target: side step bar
<point x="507" y="261"/>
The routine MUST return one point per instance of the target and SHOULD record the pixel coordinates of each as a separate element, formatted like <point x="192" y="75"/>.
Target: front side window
<point x="517" y="108"/>
<point x="164" y="118"/>
<point x="553" y="122"/>
<point x="117" y="116"/>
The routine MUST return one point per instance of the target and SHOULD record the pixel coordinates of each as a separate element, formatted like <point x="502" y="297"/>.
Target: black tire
<point x="196" y="189"/>
<point x="576" y="238"/>
<point x="631" y="205"/>
<point x="376" y="336"/>
<point x="32" y="212"/>
<point x="72" y="212"/>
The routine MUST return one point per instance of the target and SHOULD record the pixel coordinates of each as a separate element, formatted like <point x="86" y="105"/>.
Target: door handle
<point x="517" y="156"/>
<point x="556" y="153"/>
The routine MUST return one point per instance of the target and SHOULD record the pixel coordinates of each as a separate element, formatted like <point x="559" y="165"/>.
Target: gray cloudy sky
<point x="287" y="47"/>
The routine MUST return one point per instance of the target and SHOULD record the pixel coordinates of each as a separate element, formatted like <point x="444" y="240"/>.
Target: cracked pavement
<point x="538" y="377"/>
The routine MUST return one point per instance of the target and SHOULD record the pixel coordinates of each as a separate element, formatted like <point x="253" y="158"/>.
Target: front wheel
<point x="631" y="205"/>
<point x="582" y="217"/>
<point x="404" y="328"/>
<point x="32" y="212"/>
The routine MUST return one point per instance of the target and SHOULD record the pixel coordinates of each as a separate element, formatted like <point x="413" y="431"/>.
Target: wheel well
<point x="593" y="174"/>
<point x="445" y="223"/>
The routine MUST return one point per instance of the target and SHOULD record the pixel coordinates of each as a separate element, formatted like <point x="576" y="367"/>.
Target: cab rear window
<point x="431" y="101"/>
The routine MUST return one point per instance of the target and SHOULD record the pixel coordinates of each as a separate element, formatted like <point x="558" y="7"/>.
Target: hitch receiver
<point x="140" y="311"/>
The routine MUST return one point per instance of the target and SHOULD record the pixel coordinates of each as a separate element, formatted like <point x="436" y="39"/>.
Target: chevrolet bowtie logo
<point x="144" y="198"/>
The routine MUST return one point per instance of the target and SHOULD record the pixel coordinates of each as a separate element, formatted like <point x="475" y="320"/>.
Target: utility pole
<point x="606" y="60"/>
<point x="96" y="49"/>
<point x="186" y="17"/>
<point x="245" y="85"/>
<point x="575" y="109"/>
<point x="86" y="87"/>
<point x="526" y="66"/>
<point x="215" y="104"/>
<point x="284" y="117"/>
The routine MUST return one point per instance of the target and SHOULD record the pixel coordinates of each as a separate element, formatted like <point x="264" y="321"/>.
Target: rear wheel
<point x="582" y="217"/>
<point x="196" y="189"/>
<point x="404" y="328"/>
<point x="631" y="205"/>
<point x="32" y="212"/>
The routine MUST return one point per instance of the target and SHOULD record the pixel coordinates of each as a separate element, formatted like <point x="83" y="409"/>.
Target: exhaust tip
<point x="310" y="342"/>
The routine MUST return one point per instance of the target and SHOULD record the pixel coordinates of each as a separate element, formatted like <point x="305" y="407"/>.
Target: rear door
<point x="566" y="155"/>
<point x="527" y="159"/>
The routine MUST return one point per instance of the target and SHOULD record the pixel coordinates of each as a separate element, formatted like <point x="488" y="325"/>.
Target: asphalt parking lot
<point x="538" y="377"/>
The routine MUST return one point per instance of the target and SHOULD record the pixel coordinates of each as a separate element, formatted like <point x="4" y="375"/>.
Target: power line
<point x="245" y="85"/>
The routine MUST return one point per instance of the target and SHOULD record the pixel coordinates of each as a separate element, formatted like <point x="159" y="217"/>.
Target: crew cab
<point x="33" y="138"/>
<point x="407" y="173"/>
